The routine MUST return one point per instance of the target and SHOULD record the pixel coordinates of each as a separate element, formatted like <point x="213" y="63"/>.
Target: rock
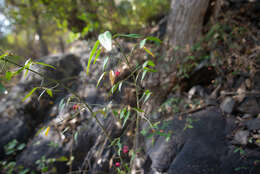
<point x="19" y="118"/>
<point x="227" y="106"/>
<point x="241" y="137"/>
<point x="253" y="124"/>
<point x="246" y="116"/>
<point x="250" y="106"/>
<point x="196" y="90"/>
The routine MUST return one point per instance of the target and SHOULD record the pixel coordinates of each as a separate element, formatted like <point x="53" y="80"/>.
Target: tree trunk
<point x="185" y="23"/>
<point x="38" y="28"/>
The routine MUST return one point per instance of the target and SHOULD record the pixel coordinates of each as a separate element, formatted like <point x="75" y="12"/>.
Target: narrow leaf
<point x="120" y="86"/>
<point x="112" y="77"/>
<point x="136" y="36"/>
<point x="105" y="63"/>
<point x="143" y="75"/>
<point x="47" y="131"/>
<point x="114" y="88"/>
<point x="97" y="55"/>
<point x="44" y="64"/>
<point x="138" y="110"/>
<point x="93" y="51"/>
<point x="155" y="39"/>
<point x="148" y="51"/>
<point x="149" y="69"/>
<point x="100" y="78"/>
<point x="122" y="113"/>
<point x="126" y="117"/>
<point x="29" y="94"/>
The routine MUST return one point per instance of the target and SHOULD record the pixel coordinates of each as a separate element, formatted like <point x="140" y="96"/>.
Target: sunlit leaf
<point x="97" y="55"/>
<point x="47" y="131"/>
<point x="8" y="75"/>
<point x="112" y="77"/>
<point x="62" y="159"/>
<point x="44" y="64"/>
<point x="142" y="43"/>
<point x="120" y="86"/>
<point x="27" y="66"/>
<point x="29" y="94"/>
<point x="155" y="39"/>
<point x="49" y="92"/>
<point x="148" y="51"/>
<point x="93" y="51"/>
<point x="3" y="55"/>
<point x="100" y="78"/>
<point x="149" y="69"/>
<point x="105" y="40"/>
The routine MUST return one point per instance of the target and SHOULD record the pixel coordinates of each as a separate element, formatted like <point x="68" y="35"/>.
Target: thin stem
<point x="68" y="89"/>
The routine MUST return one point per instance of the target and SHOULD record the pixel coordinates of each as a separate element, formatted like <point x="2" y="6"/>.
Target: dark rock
<point x="253" y="124"/>
<point x="227" y="105"/>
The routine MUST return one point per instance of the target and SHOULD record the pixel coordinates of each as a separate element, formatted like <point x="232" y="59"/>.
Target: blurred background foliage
<point x="34" y="28"/>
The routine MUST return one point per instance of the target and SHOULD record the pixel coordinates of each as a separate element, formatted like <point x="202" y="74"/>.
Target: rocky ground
<point x="204" y="126"/>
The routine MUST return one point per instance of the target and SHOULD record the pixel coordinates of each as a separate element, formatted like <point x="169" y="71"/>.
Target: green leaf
<point x="44" y="64"/>
<point x="105" y="63"/>
<point x="62" y="159"/>
<point x="138" y="110"/>
<point x="143" y="75"/>
<point x="49" y="92"/>
<point x="155" y="39"/>
<point x="105" y="40"/>
<point x="8" y="75"/>
<point x="97" y="55"/>
<point x="136" y="36"/>
<point x="142" y="43"/>
<point x="114" y="88"/>
<point x="29" y="94"/>
<point x="149" y="69"/>
<point x="148" y="63"/>
<point x="147" y="96"/>
<point x="93" y="51"/>
<point x="21" y="146"/>
<point x="3" y="55"/>
<point x="126" y="117"/>
<point x="27" y="65"/>
<point x="122" y="113"/>
<point x="100" y="78"/>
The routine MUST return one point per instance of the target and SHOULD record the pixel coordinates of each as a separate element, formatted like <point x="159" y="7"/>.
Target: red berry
<point x="161" y="131"/>
<point x="125" y="149"/>
<point x="117" y="73"/>
<point x="75" y="107"/>
<point x="117" y="164"/>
